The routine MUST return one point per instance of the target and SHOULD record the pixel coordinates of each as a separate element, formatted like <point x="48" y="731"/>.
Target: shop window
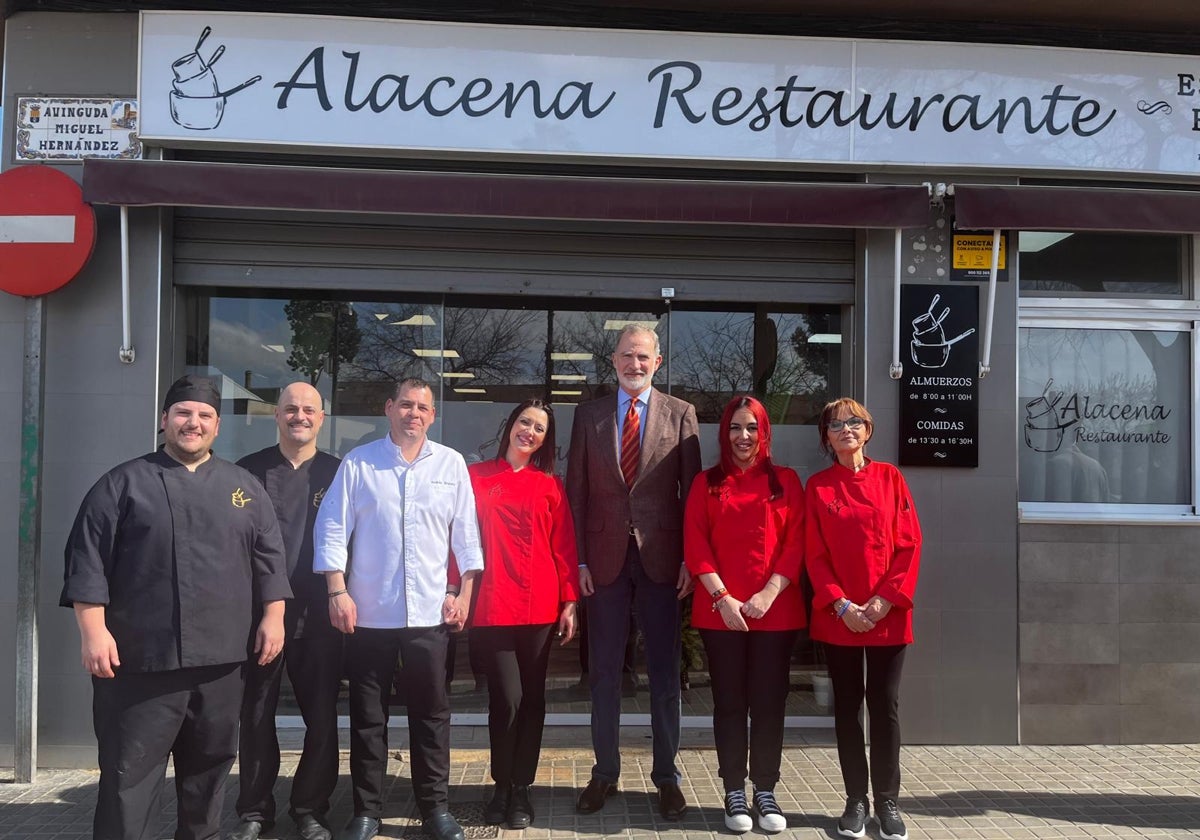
<point x="1061" y="264"/>
<point x="1105" y="417"/>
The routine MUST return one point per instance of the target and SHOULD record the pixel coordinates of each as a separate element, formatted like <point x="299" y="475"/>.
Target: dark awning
<point x="979" y="207"/>
<point x="189" y="184"/>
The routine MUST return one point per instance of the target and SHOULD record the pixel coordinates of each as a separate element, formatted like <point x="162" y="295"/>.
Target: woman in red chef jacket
<point x="863" y="547"/>
<point x="530" y="584"/>
<point x="743" y="539"/>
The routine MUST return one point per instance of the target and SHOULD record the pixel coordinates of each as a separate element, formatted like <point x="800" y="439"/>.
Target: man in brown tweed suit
<point x="633" y="457"/>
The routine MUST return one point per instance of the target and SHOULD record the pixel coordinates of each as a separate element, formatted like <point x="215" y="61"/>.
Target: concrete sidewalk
<point x="996" y="793"/>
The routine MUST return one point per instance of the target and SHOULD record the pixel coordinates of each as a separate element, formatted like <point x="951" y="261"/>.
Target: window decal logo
<point x="1044" y="428"/>
<point x="197" y="101"/>
<point x="1091" y="418"/>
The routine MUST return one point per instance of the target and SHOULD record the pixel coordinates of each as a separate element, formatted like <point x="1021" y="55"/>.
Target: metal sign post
<point x="29" y="544"/>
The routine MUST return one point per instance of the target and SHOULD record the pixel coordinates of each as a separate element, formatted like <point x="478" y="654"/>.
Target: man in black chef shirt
<point x="296" y="477"/>
<point x="162" y="564"/>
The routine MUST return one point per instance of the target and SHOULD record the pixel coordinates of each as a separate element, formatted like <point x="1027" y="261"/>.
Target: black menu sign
<point x="939" y="392"/>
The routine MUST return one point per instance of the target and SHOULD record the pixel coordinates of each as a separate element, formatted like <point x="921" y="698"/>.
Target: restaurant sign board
<point x="337" y="82"/>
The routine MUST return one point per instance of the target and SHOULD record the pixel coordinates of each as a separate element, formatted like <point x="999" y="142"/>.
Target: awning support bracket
<point x="126" y="353"/>
<point x="985" y="366"/>
<point x="897" y="369"/>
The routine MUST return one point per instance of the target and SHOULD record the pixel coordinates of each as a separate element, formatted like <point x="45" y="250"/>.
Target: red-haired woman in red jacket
<point x="862" y="548"/>
<point x="743" y="539"/>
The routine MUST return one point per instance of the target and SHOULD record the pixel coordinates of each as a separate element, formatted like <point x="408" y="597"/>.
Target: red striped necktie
<point x="631" y="444"/>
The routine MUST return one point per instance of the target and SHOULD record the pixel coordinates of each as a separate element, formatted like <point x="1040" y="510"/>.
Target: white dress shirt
<point x="402" y="519"/>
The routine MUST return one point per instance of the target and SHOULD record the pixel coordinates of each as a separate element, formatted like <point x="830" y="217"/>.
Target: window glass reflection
<point x="583" y="343"/>
<point x="495" y="359"/>
<point x="792" y="361"/>
<point x="1090" y="264"/>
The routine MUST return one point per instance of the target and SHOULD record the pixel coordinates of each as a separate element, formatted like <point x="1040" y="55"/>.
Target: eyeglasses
<point x="852" y="422"/>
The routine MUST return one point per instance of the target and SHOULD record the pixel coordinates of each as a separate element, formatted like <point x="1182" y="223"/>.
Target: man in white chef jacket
<point x="406" y="503"/>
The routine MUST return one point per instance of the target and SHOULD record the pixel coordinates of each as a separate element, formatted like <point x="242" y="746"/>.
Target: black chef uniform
<point x="313" y="652"/>
<point x="176" y="557"/>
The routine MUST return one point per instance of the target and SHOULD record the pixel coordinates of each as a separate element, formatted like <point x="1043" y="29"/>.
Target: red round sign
<point x="46" y="230"/>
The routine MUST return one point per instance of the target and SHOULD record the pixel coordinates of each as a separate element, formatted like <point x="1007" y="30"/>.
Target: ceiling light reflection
<point x="414" y="321"/>
<point x="619" y="324"/>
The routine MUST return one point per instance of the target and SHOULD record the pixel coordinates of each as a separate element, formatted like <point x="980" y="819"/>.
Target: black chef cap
<point x="192" y="388"/>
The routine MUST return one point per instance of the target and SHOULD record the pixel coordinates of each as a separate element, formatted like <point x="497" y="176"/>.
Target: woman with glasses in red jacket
<point x="862" y="549"/>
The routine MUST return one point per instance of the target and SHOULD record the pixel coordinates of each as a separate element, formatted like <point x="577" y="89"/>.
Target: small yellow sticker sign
<point x="974" y="252"/>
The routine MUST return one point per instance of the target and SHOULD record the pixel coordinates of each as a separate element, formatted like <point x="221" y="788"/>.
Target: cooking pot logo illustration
<point x="1044" y="429"/>
<point x="197" y="101"/>
<point x="929" y="346"/>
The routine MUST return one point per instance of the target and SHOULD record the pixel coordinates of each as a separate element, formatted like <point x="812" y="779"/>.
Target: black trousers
<point x="141" y="719"/>
<point x="749" y="673"/>
<point x="314" y="667"/>
<point x="882" y="691"/>
<point x="515" y="660"/>
<point x="370" y="664"/>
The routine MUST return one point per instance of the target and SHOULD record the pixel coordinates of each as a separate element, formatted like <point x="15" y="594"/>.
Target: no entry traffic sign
<point x="47" y="232"/>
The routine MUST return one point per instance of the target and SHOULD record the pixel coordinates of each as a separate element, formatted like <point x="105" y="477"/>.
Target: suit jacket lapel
<point x="606" y="433"/>
<point x="657" y="427"/>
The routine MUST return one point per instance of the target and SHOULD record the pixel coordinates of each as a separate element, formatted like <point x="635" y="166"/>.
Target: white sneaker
<point x="737" y="814"/>
<point x="770" y="816"/>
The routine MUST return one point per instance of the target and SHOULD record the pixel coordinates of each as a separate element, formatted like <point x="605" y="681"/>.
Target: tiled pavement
<point x="949" y="792"/>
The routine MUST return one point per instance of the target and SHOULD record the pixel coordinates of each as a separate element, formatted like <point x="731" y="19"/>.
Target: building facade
<point x="985" y="235"/>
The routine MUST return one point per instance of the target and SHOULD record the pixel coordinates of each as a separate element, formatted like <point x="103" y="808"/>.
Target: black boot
<point x="520" y="809"/>
<point x="496" y="809"/>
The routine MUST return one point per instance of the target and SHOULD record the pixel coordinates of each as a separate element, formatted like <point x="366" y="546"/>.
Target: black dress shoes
<point x="496" y="808"/>
<point x="594" y="795"/>
<point x="310" y="828"/>
<point x="520" y="809"/>
<point x="247" y="830"/>
<point x="443" y="827"/>
<point x="360" y="828"/>
<point x="671" y="803"/>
